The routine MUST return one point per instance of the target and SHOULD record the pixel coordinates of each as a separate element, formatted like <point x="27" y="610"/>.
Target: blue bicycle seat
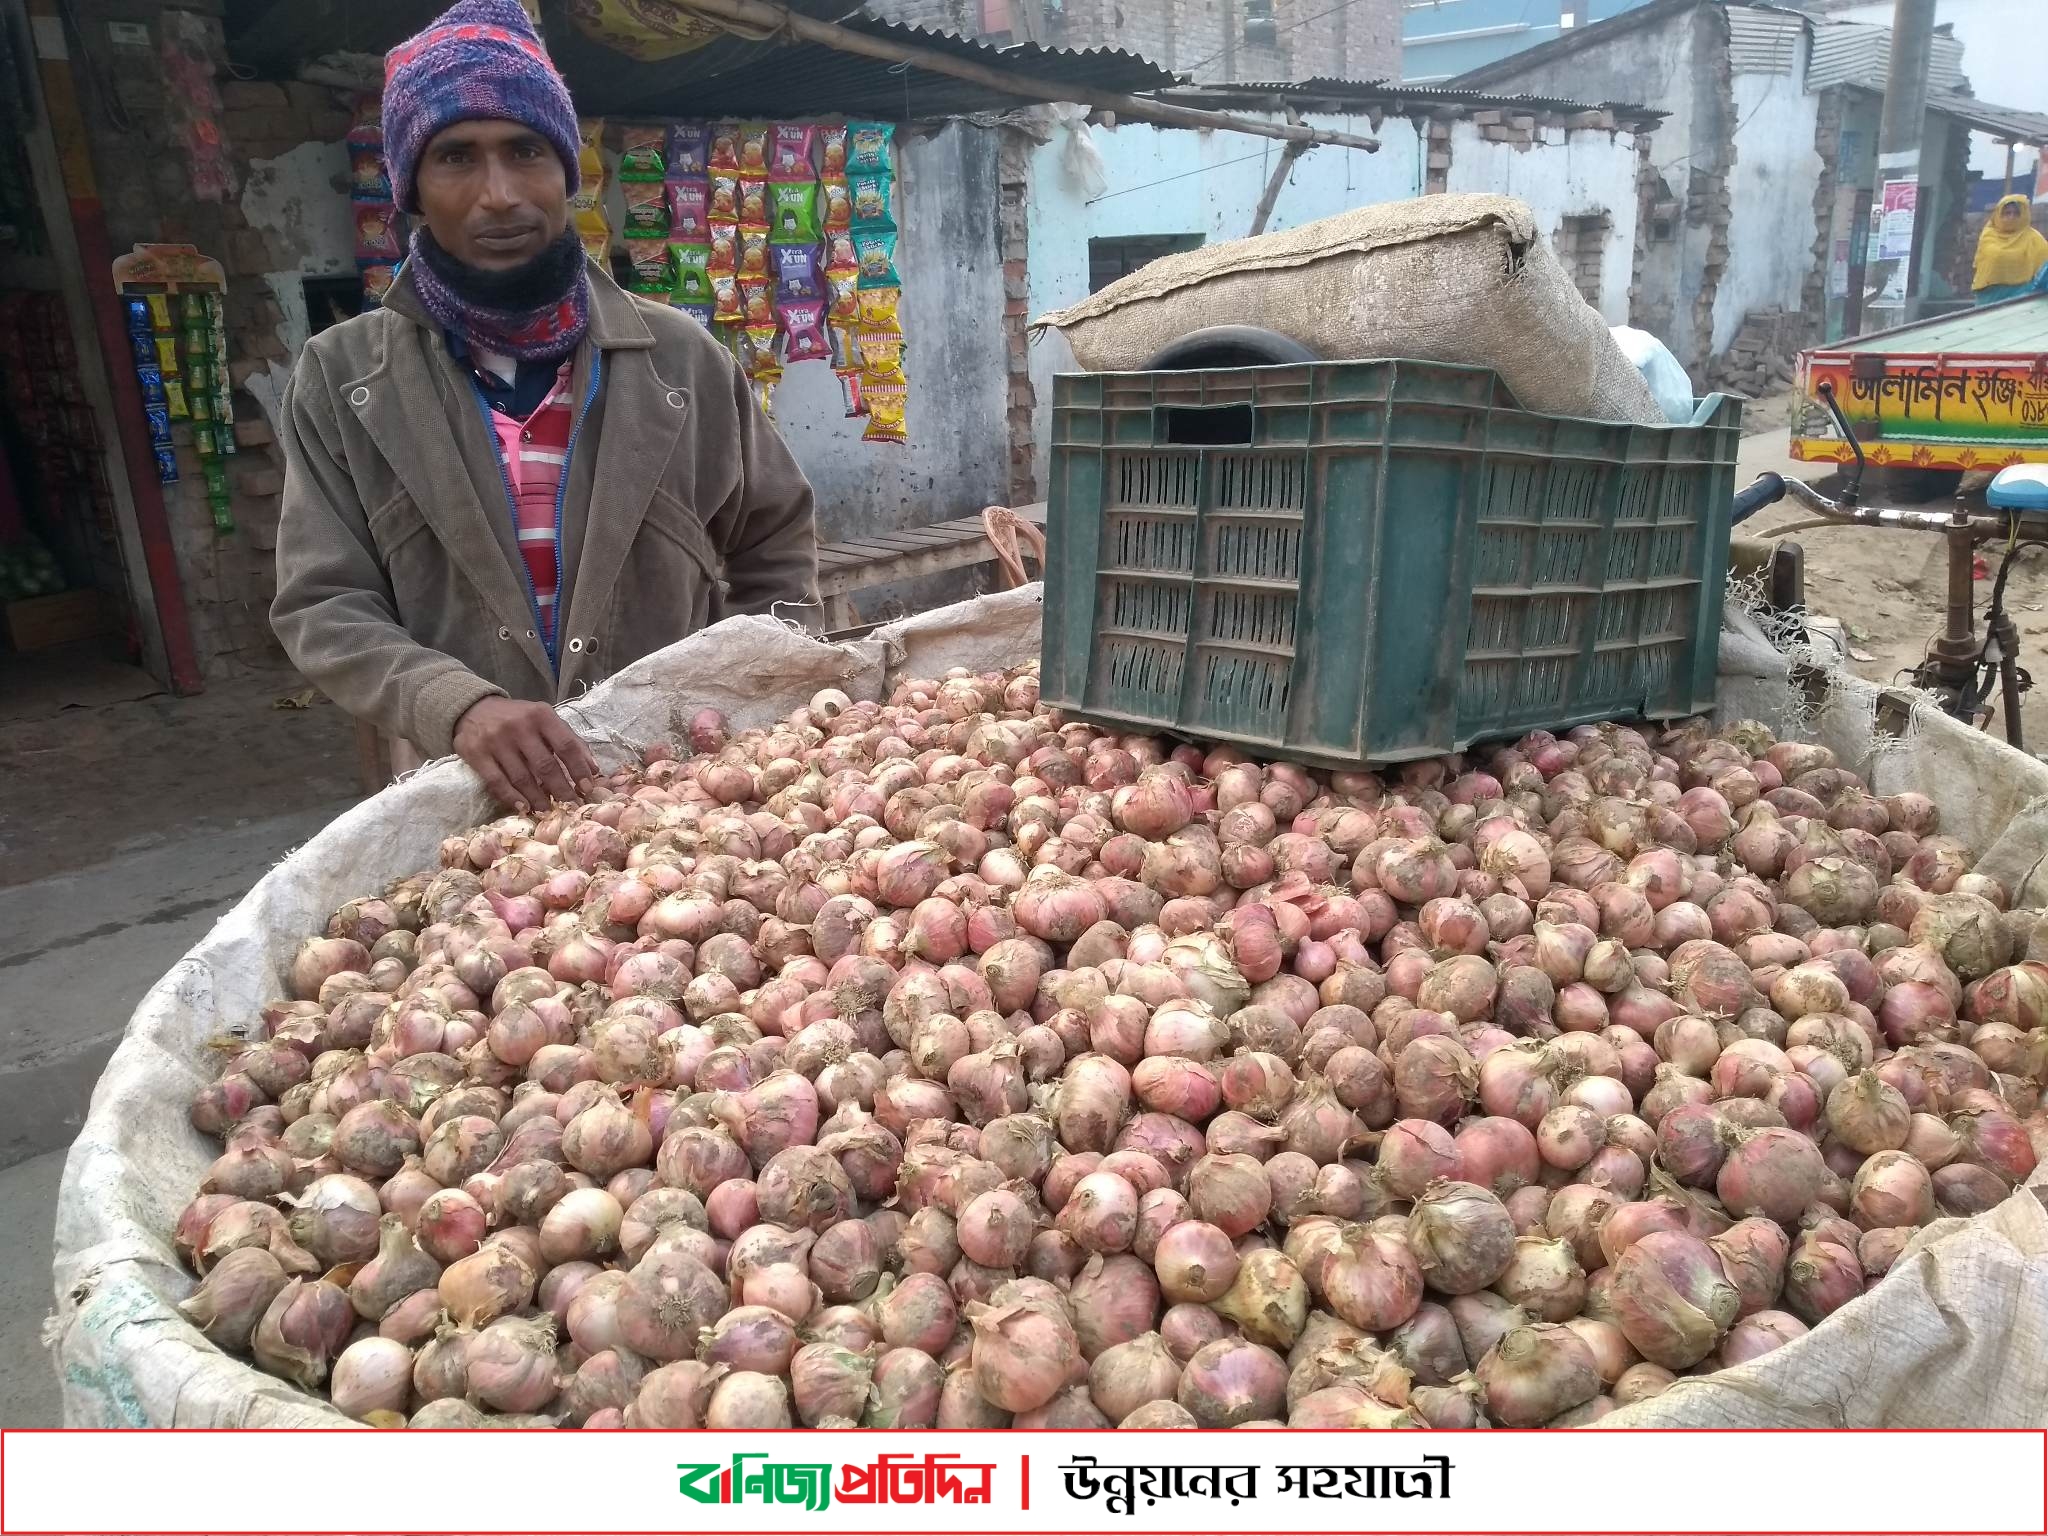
<point x="2020" y="488"/>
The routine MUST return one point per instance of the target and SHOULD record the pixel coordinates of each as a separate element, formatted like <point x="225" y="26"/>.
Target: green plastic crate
<point x="1375" y="561"/>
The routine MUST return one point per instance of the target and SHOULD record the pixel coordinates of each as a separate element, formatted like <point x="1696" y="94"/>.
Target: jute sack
<point x="1444" y="279"/>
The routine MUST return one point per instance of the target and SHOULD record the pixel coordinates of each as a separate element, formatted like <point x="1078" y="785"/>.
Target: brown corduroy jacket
<point x="400" y="591"/>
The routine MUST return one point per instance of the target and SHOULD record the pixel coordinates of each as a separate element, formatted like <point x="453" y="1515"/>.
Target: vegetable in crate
<point x="938" y="1064"/>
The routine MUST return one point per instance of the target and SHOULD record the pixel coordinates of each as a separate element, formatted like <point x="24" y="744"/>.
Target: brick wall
<point x="145" y="184"/>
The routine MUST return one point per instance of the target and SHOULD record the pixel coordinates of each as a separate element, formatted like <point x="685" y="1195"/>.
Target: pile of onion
<point x="938" y="1063"/>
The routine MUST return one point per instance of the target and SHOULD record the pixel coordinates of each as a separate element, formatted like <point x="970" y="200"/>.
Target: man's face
<point x="494" y="193"/>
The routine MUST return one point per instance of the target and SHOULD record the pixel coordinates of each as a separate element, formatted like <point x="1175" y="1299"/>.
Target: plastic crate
<point x="1375" y="561"/>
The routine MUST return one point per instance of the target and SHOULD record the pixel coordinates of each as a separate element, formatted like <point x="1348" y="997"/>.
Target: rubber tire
<point x="1228" y="346"/>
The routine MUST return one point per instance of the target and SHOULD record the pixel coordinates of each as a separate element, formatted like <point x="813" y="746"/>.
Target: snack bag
<point x="642" y="148"/>
<point x="597" y="248"/>
<point x="871" y="200"/>
<point x="689" y="209"/>
<point x="877" y="252"/>
<point x="159" y="310"/>
<point x="367" y="125"/>
<point x="589" y="220"/>
<point x="754" y="203"/>
<point x="757" y="349"/>
<point x="724" y="260"/>
<point x="693" y="273"/>
<point x="887" y="406"/>
<point x="725" y="298"/>
<point x="878" y="311"/>
<point x="804" y="325"/>
<point x="159" y="417"/>
<point x="794" y="212"/>
<point x="841" y="254"/>
<point x="757" y="302"/>
<point x="796" y="273"/>
<point x="167" y="466"/>
<point x="753" y="138"/>
<point x="166" y="351"/>
<point x="881" y="357"/>
<point x="868" y="147"/>
<point x="377" y="277"/>
<point x="725" y="148"/>
<point x="174" y="398"/>
<point x="142" y="347"/>
<point x="701" y="313"/>
<point x="764" y="392"/>
<point x="590" y="149"/>
<point x="649" y="257"/>
<point x="725" y="197"/>
<point x="850" y="390"/>
<point x="844" y="294"/>
<point x="377" y="233"/>
<point x="754" y="261"/>
<point x="368" y="181"/>
<point x="845" y="355"/>
<point x="832" y="150"/>
<point x="838" y="201"/>
<point x="688" y="150"/>
<point x="790" y="152"/>
<point x="646" y="207"/>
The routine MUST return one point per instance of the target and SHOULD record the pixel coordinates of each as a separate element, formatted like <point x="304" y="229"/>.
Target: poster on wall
<point x="1895" y="227"/>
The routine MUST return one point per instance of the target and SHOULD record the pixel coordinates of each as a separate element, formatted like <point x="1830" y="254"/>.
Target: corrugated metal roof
<point x="732" y="77"/>
<point x="1859" y="53"/>
<point x="2009" y="123"/>
<point x="1763" y="41"/>
<point x="1389" y="97"/>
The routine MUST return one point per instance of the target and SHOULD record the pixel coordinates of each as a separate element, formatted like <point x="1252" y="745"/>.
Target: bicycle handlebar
<point x="1762" y="492"/>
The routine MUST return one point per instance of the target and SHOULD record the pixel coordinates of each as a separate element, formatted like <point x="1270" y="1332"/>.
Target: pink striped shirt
<point x="532" y="452"/>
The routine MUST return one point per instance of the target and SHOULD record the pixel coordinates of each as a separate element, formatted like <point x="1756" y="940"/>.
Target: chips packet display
<point x="725" y="299"/>
<point x="832" y="150"/>
<point x="688" y="150"/>
<point x="368" y="180"/>
<point x="590" y="149"/>
<point x="871" y="205"/>
<point x="844" y="295"/>
<point x="643" y="149"/>
<point x="796" y="273"/>
<point x="851" y="392"/>
<point x="174" y="397"/>
<point x="754" y="345"/>
<point x="725" y="196"/>
<point x="879" y="310"/>
<point x="378" y="276"/>
<point x="377" y="232"/>
<point x="597" y="248"/>
<point x="841" y="254"/>
<point x="693" y="272"/>
<point x="648" y="255"/>
<point x="646" y="207"/>
<point x="869" y="147"/>
<point x="790" y="152"/>
<point x="757" y="302"/>
<point x="794" y="212"/>
<point x="725" y="148"/>
<point x="754" y="258"/>
<point x="804" y="326"/>
<point x="701" y="313"/>
<point x="754" y="203"/>
<point x="754" y="148"/>
<point x="876" y="251"/>
<point x="689" y="209"/>
<point x="724" y="259"/>
<point x="838" y="206"/>
<point x="881" y="357"/>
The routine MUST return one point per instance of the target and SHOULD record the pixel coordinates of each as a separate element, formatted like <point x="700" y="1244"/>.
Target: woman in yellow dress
<point x="2010" y="252"/>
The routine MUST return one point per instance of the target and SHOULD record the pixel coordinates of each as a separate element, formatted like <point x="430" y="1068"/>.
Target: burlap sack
<point x="1444" y="279"/>
<point x="1953" y="1336"/>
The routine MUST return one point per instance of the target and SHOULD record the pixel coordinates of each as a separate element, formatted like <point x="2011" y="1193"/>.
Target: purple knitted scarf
<point x="538" y="310"/>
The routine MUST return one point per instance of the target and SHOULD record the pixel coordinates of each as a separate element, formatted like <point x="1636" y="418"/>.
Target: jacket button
<point x="504" y="633"/>
<point x="359" y="396"/>
<point x="675" y="398"/>
<point x="530" y="635"/>
<point x="576" y="644"/>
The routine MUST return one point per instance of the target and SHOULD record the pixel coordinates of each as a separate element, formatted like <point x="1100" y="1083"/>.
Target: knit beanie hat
<point x="479" y="59"/>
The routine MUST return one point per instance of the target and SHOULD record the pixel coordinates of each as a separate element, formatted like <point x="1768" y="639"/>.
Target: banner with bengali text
<point x="1186" y="1482"/>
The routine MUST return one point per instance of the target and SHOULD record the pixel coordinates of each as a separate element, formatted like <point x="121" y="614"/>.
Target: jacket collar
<point x="616" y="323"/>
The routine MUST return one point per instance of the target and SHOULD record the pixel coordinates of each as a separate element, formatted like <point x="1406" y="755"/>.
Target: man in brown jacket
<point x="514" y="478"/>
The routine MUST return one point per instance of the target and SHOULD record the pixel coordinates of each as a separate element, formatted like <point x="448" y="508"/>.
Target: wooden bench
<point x="876" y="559"/>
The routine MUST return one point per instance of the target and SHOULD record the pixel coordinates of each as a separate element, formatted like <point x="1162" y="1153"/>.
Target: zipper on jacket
<point x="550" y="639"/>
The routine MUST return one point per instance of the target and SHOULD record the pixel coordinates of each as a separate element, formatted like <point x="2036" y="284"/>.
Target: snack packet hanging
<point x="804" y="325"/>
<point x="794" y="212"/>
<point x="871" y="207"/>
<point x="754" y="260"/>
<point x="368" y="181"/>
<point x="366" y="126"/>
<point x="646" y="207"/>
<point x="841" y="255"/>
<point x="844" y="295"/>
<point x="790" y="152"/>
<point x="648" y="255"/>
<point x="754" y="149"/>
<point x="724" y="259"/>
<point x="878" y="310"/>
<point x="689" y="209"/>
<point x="596" y="247"/>
<point x="590" y="149"/>
<point x="701" y="313"/>
<point x="881" y="356"/>
<point x="757" y="349"/>
<point x="757" y="302"/>
<point x="693" y="273"/>
<point x="838" y="206"/>
<point x="174" y="397"/>
<point x="642" y="151"/>
<point x="796" y="273"/>
<point x="725" y="197"/>
<point x="159" y="311"/>
<point x="754" y="203"/>
<point x="725" y="299"/>
<point x="888" y="405"/>
<point x="851" y="392"/>
<point x="832" y="150"/>
<point x="845" y="354"/>
<point x="377" y="233"/>
<point x="688" y="153"/>
<point x="877" y="252"/>
<point x="165" y="349"/>
<point x="377" y="277"/>
<point x="764" y="393"/>
<point x="869" y="147"/>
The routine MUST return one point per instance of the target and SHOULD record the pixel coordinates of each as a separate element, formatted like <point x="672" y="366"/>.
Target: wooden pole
<point x="765" y="16"/>
<point x="1274" y="182"/>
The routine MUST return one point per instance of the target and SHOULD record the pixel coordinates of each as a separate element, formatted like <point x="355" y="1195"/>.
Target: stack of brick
<point x="1013" y="213"/>
<point x="1759" y="361"/>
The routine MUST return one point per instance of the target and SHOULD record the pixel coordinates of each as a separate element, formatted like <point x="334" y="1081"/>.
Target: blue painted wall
<point x="1438" y="37"/>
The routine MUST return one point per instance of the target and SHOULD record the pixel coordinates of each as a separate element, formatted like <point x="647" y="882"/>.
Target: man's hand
<point x="523" y="752"/>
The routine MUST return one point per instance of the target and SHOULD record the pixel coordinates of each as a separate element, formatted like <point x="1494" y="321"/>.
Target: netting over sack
<point x="1444" y="279"/>
<point x="1953" y="1336"/>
